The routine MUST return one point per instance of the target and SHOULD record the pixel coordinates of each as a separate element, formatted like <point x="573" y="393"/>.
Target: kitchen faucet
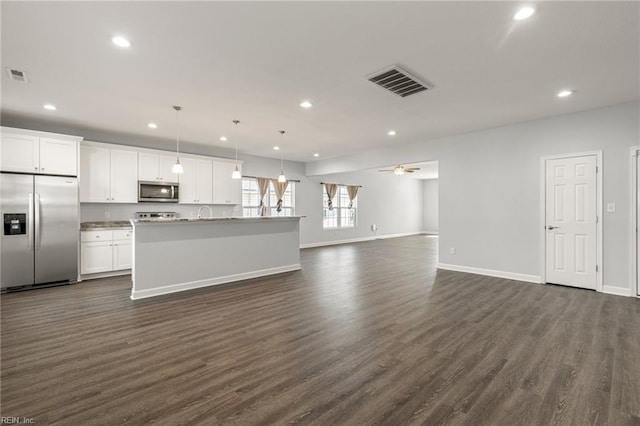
<point x="200" y="211"/>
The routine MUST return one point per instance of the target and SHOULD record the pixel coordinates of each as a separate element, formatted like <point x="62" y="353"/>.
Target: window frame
<point x="338" y="200"/>
<point x="270" y="193"/>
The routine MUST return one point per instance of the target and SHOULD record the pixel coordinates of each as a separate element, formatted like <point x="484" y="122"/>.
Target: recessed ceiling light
<point x="391" y="133"/>
<point x="565" y="93"/>
<point x="121" y="41"/>
<point x="276" y="148"/>
<point x="152" y="125"/>
<point x="223" y="138"/>
<point x="50" y="107"/>
<point x="316" y="155"/>
<point x="306" y="104"/>
<point x="524" y="13"/>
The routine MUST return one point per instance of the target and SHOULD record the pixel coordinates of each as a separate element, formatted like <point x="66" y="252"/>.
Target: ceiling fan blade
<point x="412" y="169"/>
<point x="385" y="170"/>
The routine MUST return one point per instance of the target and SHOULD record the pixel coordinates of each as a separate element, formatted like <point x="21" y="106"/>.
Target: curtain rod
<point x="254" y="177"/>
<point x="341" y="184"/>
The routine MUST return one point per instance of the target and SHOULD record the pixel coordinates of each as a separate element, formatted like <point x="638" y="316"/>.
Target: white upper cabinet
<point x="225" y="189"/>
<point x="58" y="157"/>
<point x="196" y="183"/>
<point x="94" y="174"/>
<point x="31" y="152"/>
<point x="205" y="181"/>
<point x="20" y="153"/>
<point x="108" y="175"/>
<point x="154" y="167"/>
<point x="124" y="176"/>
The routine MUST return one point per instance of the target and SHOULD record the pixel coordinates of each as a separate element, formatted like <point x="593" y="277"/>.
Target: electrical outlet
<point x="374" y="227"/>
<point x="611" y="208"/>
<point x="107" y="215"/>
<point x="452" y="250"/>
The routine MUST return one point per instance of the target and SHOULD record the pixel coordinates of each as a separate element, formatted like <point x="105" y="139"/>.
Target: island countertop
<point x="210" y="219"/>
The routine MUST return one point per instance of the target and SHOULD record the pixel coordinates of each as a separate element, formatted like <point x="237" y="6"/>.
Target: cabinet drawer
<point x="122" y="234"/>
<point x="89" y="236"/>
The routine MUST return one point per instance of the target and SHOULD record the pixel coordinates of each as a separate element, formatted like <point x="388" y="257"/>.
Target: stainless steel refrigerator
<point x="39" y="242"/>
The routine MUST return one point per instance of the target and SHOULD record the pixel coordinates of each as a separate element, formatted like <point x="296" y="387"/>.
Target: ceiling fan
<point x="400" y="170"/>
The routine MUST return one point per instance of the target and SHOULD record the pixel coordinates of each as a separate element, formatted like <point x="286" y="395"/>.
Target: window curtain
<point x="352" y="190"/>
<point x="263" y="188"/>
<point x="280" y="188"/>
<point x="331" y="189"/>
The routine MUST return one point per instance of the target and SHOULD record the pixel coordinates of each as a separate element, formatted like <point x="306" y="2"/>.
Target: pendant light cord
<point x="177" y="108"/>
<point x="282" y="155"/>
<point x="236" y="122"/>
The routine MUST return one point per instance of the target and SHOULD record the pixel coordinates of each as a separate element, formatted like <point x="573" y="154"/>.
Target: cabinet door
<point x="205" y="181"/>
<point x="122" y="255"/>
<point x="188" y="181"/>
<point x="96" y="257"/>
<point x="58" y="157"/>
<point x="19" y="153"/>
<point x="124" y="176"/>
<point x="94" y="174"/>
<point x="235" y="186"/>
<point x="148" y="167"/>
<point x="166" y="165"/>
<point x="221" y="176"/>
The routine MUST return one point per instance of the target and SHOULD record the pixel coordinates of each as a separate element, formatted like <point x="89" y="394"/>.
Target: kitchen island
<point x="172" y="255"/>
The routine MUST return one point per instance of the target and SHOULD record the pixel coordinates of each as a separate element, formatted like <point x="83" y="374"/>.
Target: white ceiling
<point x="257" y="61"/>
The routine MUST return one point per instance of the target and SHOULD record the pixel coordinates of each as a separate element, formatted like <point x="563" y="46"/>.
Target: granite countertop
<point x="106" y="225"/>
<point x="212" y="219"/>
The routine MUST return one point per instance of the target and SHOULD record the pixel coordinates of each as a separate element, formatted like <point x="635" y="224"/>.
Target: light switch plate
<point x="611" y="208"/>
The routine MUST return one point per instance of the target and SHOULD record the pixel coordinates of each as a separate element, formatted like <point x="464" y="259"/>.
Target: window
<point x="341" y="216"/>
<point x="251" y="199"/>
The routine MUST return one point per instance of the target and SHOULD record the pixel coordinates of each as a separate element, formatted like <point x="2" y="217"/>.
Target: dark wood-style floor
<point x="366" y="333"/>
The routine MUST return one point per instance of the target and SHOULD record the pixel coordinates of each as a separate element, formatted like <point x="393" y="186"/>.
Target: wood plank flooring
<point x="365" y="333"/>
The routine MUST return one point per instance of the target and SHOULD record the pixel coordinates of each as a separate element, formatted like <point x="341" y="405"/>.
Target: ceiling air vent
<point x="17" y="75"/>
<point x="399" y="81"/>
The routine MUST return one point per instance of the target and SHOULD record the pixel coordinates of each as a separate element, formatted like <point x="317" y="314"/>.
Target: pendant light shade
<point x="177" y="168"/>
<point x="282" y="178"/>
<point x="236" y="172"/>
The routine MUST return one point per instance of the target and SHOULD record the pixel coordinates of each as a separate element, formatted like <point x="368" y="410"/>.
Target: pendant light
<point x="236" y="172"/>
<point x="177" y="168"/>
<point x="282" y="178"/>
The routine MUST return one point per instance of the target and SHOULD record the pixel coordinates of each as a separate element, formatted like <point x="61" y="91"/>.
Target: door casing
<point x="543" y="198"/>
<point x="634" y="275"/>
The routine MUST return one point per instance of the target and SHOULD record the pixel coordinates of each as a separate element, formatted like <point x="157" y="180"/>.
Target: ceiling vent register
<point x="399" y="81"/>
<point x="17" y="75"/>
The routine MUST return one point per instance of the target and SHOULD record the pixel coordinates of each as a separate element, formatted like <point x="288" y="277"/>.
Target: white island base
<point x="172" y="255"/>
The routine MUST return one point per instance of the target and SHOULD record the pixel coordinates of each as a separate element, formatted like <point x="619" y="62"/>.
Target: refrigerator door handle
<point x="30" y="222"/>
<point x="36" y="232"/>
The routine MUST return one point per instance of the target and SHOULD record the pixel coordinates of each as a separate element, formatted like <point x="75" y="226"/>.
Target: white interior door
<point x="637" y="224"/>
<point x="571" y="221"/>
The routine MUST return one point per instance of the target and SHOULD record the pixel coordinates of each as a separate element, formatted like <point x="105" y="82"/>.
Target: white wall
<point x="489" y="185"/>
<point x="430" y="206"/>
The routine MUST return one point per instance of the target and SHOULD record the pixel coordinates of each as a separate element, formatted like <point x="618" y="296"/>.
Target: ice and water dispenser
<point x="15" y="223"/>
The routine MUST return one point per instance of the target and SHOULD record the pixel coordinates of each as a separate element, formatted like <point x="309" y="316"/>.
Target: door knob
<point x="552" y="227"/>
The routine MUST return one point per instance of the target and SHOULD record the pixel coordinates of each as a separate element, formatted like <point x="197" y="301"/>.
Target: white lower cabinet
<point x="105" y="251"/>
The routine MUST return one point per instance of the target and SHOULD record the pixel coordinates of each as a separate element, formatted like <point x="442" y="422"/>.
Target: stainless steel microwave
<point x="158" y="192"/>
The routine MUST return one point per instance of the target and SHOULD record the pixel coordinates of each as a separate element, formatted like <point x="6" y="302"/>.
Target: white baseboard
<point x="491" y="273"/>
<point x="174" y="288"/>
<point x="357" y="240"/>
<point x="430" y="233"/>
<point x="104" y="275"/>
<point x="617" y="291"/>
